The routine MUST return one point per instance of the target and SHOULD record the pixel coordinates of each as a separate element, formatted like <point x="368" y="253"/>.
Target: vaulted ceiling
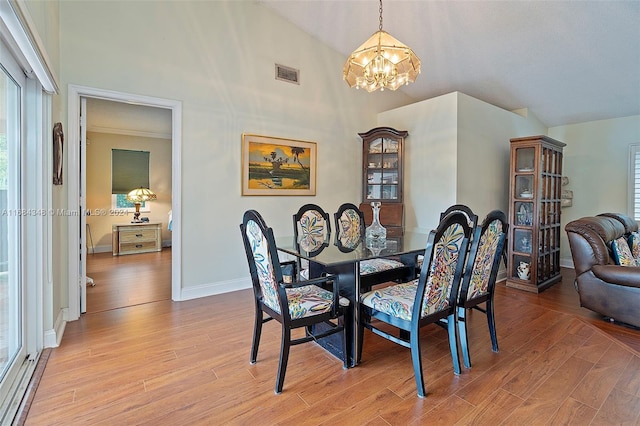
<point x="566" y="61"/>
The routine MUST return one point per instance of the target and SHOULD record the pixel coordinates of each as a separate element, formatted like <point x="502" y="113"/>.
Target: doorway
<point x="117" y="133"/>
<point x="77" y="230"/>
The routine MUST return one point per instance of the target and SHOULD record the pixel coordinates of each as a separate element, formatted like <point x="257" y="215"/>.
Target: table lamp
<point x="138" y="196"/>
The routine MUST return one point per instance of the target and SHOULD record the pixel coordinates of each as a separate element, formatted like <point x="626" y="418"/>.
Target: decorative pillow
<point x="622" y="253"/>
<point x="634" y="244"/>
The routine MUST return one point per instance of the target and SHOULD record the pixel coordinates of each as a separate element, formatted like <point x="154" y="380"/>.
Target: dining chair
<point x="471" y="217"/>
<point x="293" y="305"/>
<point x="478" y="284"/>
<point x="350" y="234"/>
<point x="430" y="299"/>
<point x="312" y="233"/>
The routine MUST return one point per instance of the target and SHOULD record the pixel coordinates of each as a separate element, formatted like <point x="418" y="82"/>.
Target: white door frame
<point x="75" y="232"/>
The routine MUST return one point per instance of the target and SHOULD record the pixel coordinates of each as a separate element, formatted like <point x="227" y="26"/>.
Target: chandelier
<point x="381" y="62"/>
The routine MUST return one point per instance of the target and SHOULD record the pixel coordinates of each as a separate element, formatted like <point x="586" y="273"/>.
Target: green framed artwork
<point x="278" y="166"/>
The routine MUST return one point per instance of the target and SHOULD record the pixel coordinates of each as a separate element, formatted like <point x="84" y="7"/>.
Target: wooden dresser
<point x="132" y="238"/>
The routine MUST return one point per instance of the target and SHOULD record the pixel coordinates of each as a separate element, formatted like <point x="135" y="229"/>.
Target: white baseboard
<point x="212" y="289"/>
<point x="99" y="249"/>
<point x="567" y="262"/>
<point x="53" y="337"/>
<point x="108" y="249"/>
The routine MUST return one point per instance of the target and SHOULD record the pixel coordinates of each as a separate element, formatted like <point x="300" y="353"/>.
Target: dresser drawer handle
<point x="138" y="245"/>
<point x="139" y="235"/>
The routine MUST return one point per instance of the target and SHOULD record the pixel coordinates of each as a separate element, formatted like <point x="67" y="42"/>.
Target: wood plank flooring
<point x="177" y="363"/>
<point x="128" y="280"/>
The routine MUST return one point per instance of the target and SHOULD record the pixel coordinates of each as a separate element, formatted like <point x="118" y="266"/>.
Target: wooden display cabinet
<point x="534" y="213"/>
<point x="382" y="166"/>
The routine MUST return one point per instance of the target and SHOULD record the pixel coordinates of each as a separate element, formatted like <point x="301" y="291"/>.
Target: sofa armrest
<point x="621" y="275"/>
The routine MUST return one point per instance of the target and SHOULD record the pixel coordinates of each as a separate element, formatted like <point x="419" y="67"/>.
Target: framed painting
<point x="278" y="166"/>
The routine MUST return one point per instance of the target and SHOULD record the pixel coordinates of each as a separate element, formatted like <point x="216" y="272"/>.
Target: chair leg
<point x="492" y="325"/>
<point x="257" y="331"/>
<point x="453" y="343"/>
<point x="284" y="358"/>
<point x="462" y="332"/>
<point x="416" y="359"/>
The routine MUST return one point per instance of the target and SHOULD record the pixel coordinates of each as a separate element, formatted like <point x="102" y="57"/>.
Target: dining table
<point x="344" y="265"/>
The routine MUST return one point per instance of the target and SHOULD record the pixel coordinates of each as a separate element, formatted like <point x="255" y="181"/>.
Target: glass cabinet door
<point x="382" y="164"/>
<point x="382" y="169"/>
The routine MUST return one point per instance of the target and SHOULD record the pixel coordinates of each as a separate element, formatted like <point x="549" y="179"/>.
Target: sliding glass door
<point x="12" y="348"/>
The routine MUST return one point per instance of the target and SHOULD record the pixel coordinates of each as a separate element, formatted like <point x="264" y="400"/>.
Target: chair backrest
<point x="630" y="225"/>
<point x="471" y="217"/>
<point x="487" y="248"/>
<point x="262" y="256"/>
<point x="312" y="229"/>
<point x="350" y="227"/>
<point x="443" y="266"/>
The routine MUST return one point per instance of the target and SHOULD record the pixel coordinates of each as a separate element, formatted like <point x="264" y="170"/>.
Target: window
<point x="129" y="170"/>
<point x="25" y="228"/>
<point x="12" y="350"/>
<point x="634" y="181"/>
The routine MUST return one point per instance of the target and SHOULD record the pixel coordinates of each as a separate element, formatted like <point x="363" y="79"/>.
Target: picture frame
<point x="278" y="166"/>
<point x="58" y="147"/>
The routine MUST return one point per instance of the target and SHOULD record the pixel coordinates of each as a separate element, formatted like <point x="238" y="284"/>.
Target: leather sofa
<point x="603" y="286"/>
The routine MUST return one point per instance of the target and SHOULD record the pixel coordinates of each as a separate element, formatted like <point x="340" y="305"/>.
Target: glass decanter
<point x="376" y="234"/>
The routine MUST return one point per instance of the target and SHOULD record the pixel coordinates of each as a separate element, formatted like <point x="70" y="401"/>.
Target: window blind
<point x="635" y="180"/>
<point x="129" y="170"/>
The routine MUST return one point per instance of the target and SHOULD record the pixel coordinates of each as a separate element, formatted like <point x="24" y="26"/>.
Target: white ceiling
<point x="566" y="61"/>
<point x="122" y="118"/>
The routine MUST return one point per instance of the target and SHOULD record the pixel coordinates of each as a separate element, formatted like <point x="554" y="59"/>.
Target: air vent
<point x="291" y="75"/>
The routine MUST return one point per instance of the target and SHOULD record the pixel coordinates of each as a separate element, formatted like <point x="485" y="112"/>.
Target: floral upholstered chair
<point x="471" y="217"/>
<point x="429" y="299"/>
<point x="350" y="232"/>
<point x="478" y="285"/>
<point x="312" y="231"/>
<point x="293" y="305"/>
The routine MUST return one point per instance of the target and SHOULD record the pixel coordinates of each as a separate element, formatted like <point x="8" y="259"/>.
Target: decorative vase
<point x="524" y="271"/>
<point x="376" y="234"/>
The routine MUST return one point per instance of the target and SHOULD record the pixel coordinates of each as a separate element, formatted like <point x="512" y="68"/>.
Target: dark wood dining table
<point x="344" y="265"/>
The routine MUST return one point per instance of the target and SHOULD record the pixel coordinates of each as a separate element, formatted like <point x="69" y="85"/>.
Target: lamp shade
<point x="381" y="62"/>
<point x="140" y="195"/>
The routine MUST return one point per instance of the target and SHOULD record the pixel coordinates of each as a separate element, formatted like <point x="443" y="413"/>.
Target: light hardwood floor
<point x="128" y="280"/>
<point x="178" y="363"/>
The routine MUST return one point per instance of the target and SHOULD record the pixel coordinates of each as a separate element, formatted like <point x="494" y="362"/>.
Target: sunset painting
<point x="275" y="166"/>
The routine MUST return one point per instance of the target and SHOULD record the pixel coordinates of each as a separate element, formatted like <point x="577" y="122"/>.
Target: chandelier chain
<point x="380" y="15"/>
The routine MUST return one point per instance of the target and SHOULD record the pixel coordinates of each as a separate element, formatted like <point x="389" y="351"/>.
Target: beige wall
<point x="596" y="160"/>
<point x="99" y="146"/>
<point x="430" y="157"/>
<point x="457" y="152"/>
<point x="45" y="18"/>
<point x="218" y="58"/>
<point x="484" y="131"/>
